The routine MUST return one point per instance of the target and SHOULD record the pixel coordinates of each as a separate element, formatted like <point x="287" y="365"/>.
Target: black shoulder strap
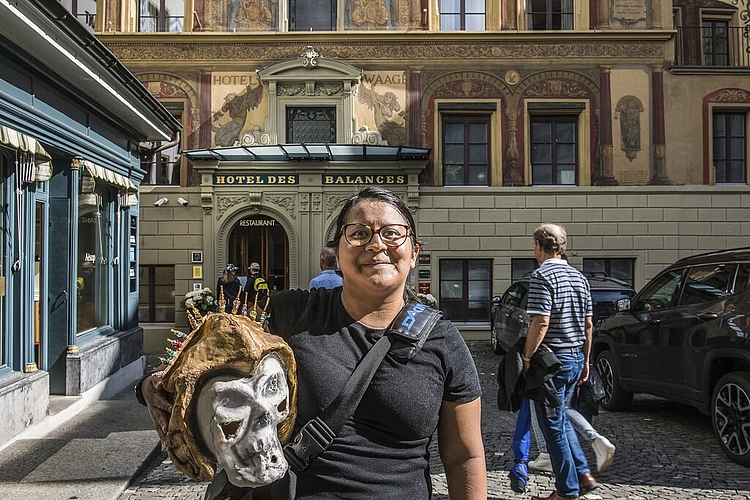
<point x="404" y="338"/>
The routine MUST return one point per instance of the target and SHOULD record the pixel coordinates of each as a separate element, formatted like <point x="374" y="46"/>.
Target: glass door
<point x="261" y="239"/>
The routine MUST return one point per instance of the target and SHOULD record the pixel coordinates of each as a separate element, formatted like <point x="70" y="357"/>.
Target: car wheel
<point x="617" y="398"/>
<point x="496" y="347"/>
<point x="730" y="415"/>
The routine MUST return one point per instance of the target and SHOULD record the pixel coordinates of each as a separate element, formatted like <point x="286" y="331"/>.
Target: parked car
<point x="686" y="337"/>
<point x="510" y="321"/>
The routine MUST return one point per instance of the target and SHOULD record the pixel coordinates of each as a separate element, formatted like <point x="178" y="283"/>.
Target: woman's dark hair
<point x="375" y="193"/>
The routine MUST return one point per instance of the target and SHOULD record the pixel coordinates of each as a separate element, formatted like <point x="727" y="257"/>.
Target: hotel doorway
<point x="263" y="240"/>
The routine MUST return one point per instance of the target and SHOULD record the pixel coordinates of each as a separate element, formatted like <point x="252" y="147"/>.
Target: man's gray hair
<point x="552" y="238"/>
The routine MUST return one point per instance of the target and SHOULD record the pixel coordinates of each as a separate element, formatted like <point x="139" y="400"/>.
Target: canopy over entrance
<point x="311" y="152"/>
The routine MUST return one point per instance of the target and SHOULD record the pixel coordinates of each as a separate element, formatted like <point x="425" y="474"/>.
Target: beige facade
<point x="637" y="94"/>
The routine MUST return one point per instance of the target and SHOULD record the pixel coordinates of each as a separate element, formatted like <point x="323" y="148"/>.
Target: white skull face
<point x="238" y="420"/>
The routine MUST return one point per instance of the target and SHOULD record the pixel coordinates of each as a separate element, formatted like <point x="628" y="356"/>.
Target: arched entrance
<point x="261" y="239"/>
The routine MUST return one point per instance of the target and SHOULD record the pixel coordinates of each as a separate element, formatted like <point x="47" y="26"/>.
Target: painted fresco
<point x="381" y="98"/>
<point x="238" y="108"/>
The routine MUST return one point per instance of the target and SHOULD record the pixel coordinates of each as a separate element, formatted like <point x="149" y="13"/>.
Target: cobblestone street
<point x="664" y="451"/>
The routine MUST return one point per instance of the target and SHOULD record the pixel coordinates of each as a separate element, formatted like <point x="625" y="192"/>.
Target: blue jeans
<point x="565" y="452"/>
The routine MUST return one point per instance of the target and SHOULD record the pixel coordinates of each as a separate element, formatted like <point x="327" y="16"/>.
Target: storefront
<point x="276" y="205"/>
<point x="70" y="133"/>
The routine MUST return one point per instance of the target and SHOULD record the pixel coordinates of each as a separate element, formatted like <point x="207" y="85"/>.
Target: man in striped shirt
<point x="560" y="307"/>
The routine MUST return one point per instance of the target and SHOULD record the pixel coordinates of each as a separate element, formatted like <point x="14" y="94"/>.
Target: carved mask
<point x="238" y="418"/>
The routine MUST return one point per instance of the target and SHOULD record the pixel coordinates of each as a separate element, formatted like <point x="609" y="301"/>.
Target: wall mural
<point x="382" y="96"/>
<point x="235" y="106"/>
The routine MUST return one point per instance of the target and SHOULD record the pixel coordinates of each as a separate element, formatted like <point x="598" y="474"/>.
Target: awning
<point x="16" y="140"/>
<point x="311" y="152"/>
<point x="41" y="169"/>
<point x="106" y="175"/>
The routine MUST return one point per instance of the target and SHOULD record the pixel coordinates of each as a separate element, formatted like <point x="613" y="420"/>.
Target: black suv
<point x="686" y="337"/>
<point x="510" y="321"/>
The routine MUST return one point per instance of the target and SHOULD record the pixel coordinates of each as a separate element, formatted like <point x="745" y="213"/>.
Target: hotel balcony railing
<point x="727" y="47"/>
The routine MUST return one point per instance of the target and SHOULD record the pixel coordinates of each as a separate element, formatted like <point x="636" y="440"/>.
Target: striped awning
<point x="16" y="140"/>
<point x="106" y="175"/>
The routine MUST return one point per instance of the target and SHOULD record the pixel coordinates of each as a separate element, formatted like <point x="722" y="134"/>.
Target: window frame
<point x="163" y="21"/>
<point x="461" y="15"/>
<point x="446" y="304"/>
<point x="719" y="111"/>
<point x="550" y="14"/>
<point x="466" y="119"/>
<point x="607" y="268"/>
<point x="151" y="305"/>
<point x="553" y="120"/>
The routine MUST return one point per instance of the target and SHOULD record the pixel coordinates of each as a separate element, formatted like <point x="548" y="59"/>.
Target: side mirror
<point x="496" y="300"/>
<point x="622" y="305"/>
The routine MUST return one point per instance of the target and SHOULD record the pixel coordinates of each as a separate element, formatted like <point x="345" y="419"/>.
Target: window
<point x="707" y="283"/>
<point x="553" y="150"/>
<point x="156" y="294"/>
<point x="161" y="15"/>
<point x="621" y="269"/>
<point x="715" y="36"/>
<point x="311" y="125"/>
<point x="659" y="292"/>
<point x="516" y="295"/>
<point x="309" y="15"/>
<point x="521" y="268"/>
<point x="465" y="289"/>
<point x="549" y="14"/>
<point x="84" y="10"/>
<point x="730" y="147"/>
<point x="466" y="150"/>
<point x="94" y="257"/>
<point x="462" y="15"/>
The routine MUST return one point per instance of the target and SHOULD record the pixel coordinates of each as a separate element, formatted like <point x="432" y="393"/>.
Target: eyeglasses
<point x="359" y="235"/>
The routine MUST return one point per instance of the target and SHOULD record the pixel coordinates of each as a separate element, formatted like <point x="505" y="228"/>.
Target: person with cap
<point x="256" y="285"/>
<point x="328" y="278"/>
<point x="382" y="449"/>
<point x="228" y="284"/>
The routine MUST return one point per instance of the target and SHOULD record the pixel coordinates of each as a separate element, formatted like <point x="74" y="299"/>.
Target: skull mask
<point x="234" y="392"/>
<point x="237" y="418"/>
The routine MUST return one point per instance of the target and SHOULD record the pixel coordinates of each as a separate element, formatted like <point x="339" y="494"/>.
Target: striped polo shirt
<point x="560" y="291"/>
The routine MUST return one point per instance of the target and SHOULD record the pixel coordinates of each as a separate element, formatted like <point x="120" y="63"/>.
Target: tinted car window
<point x="514" y="296"/>
<point x="707" y="283"/>
<point x="660" y="292"/>
<point x="743" y="277"/>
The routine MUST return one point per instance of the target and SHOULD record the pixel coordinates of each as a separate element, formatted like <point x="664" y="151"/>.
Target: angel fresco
<point x="389" y="118"/>
<point x="237" y="105"/>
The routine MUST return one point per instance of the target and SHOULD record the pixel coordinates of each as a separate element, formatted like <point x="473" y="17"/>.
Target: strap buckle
<point x="314" y="437"/>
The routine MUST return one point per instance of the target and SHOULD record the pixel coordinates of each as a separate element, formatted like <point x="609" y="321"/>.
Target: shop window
<point x="466" y="289"/>
<point x="466" y="150"/>
<point x="730" y="147"/>
<point x="521" y="268"/>
<point x="309" y="15"/>
<point x="621" y="269"/>
<point x="93" y="288"/>
<point x="83" y="10"/>
<point x="462" y="15"/>
<point x="545" y="15"/>
<point x="156" y="294"/>
<point x="4" y="225"/>
<point x="553" y="150"/>
<point x="161" y="16"/>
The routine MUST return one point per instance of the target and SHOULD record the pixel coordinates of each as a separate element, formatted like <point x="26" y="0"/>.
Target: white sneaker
<point x="542" y="463"/>
<point x="604" y="451"/>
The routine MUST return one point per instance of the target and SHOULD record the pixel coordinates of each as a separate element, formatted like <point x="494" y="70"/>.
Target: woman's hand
<point x="159" y="406"/>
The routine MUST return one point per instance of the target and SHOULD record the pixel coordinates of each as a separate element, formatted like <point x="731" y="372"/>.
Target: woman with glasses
<point x="382" y="451"/>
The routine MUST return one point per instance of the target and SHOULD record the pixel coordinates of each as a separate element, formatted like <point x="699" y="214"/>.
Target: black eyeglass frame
<point x="373" y="232"/>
